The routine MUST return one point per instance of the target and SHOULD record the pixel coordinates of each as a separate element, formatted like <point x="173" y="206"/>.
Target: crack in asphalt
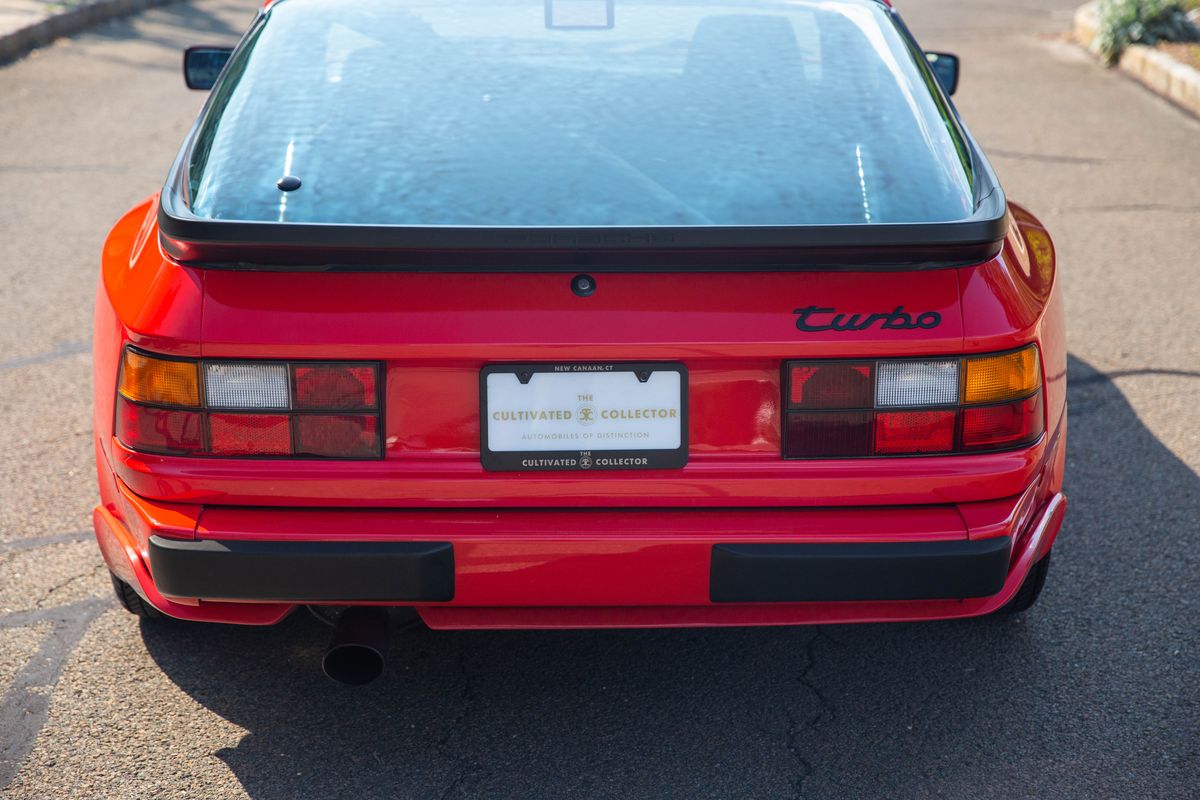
<point x="25" y="704"/>
<point x="825" y="712"/>
<point x="468" y="698"/>
<point x="806" y="769"/>
<point x="91" y="573"/>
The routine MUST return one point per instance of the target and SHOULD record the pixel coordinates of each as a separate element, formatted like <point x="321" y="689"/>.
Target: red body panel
<point x="515" y="565"/>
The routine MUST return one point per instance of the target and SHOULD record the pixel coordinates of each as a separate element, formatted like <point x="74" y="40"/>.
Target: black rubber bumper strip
<point x="303" y="571"/>
<point x="784" y="573"/>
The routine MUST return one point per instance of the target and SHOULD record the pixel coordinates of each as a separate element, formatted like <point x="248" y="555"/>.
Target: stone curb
<point x="1177" y="82"/>
<point x="1087" y="23"/>
<point x="17" y="43"/>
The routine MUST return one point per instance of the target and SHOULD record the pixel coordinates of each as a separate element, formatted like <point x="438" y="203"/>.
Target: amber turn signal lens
<point x="159" y="381"/>
<point x="998" y="378"/>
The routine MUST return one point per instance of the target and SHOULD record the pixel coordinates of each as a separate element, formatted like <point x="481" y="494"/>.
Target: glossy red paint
<point x="520" y="569"/>
<point x="1035" y="544"/>
<point x="550" y="550"/>
<point x="448" y="481"/>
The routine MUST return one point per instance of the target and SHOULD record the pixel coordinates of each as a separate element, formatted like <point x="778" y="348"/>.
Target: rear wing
<point x="287" y="246"/>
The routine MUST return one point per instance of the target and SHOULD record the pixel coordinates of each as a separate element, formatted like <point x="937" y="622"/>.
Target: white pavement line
<point x="24" y="706"/>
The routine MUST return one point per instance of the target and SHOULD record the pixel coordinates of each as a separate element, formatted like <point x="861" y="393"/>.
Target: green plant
<point x="1126" y="22"/>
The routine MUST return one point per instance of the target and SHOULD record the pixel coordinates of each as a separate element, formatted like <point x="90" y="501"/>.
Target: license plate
<point x="630" y="415"/>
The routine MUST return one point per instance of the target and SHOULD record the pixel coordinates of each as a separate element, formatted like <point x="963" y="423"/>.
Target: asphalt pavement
<point x="1093" y="694"/>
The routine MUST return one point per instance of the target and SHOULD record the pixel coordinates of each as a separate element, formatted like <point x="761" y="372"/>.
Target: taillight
<point x="255" y="409"/>
<point x="159" y="380"/>
<point x="914" y="432"/>
<point x="249" y="434"/>
<point x="334" y="386"/>
<point x="827" y="434"/>
<point x="991" y="427"/>
<point x="159" y="430"/>
<point x="915" y="406"/>
<point x="246" y="386"/>
<point x="996" y="378"/>
<point x="831" y="384"/>
<point x="353" y="435"/>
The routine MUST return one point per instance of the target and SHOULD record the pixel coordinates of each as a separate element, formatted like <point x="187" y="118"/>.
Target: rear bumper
<point x="393" y="572"/>
<point x="613" y="568"/>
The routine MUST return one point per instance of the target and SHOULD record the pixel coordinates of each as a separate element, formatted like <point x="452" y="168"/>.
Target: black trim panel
<point x="303" y="571"/>
<point x="247" y="245"/>
<point x="785" y="573"/>
<point x="988" y="224"/>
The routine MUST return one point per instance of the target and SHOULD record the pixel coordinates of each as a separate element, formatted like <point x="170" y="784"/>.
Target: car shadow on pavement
<point x="1091" y="694"/>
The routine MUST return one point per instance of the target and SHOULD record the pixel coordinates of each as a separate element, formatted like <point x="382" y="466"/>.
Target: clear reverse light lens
<point x="916" y="383"/>
<point x="248" y="386"/>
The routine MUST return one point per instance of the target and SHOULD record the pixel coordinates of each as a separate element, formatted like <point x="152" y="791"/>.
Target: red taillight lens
<point x="911" y="432"/>
<point x="338" y="387"/>
<point x="1005" y="425"/>
<point x="912" y="406"/>
<point x="823" y="434"/>
<point x="243" y="408"/>
<point x="159" y="430"/>
<point x="249" y="434"/>
<point x="337" y="435"/>
<point x="833" y="384"/>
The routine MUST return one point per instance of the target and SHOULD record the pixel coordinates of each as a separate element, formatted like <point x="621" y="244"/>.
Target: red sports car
<point x="578" y="313"/>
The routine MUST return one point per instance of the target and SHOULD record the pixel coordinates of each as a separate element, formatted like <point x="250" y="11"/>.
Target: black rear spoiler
<point x="229" y="244"/>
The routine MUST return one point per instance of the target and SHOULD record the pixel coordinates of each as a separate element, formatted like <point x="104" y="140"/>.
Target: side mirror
<point x="945" y="69"/>
<point x="203" y="65"/>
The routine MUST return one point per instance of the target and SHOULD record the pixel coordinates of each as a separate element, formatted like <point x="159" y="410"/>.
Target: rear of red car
<point x="698" y="385"/>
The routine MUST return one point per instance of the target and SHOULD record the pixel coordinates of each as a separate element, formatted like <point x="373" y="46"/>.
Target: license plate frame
<point x="595" y="458"/>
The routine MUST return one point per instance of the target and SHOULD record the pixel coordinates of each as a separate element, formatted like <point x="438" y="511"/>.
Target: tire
<point x="1030" y="590"/>
<point x="132" y="602"/>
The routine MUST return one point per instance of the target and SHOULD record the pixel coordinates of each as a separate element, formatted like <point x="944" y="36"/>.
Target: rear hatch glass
<point x="579" y="113"/>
